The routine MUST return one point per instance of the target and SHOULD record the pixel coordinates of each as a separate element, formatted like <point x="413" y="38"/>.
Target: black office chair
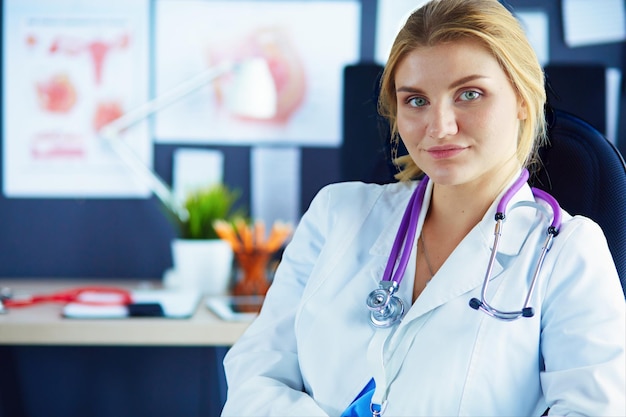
<point x="587" y="175"/>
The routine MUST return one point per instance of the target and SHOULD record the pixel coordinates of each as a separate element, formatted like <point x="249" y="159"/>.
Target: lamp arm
<point x="112" y="131"/>
<point x="155" y="183"/>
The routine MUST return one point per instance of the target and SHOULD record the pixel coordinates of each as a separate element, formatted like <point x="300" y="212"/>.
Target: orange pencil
<point x="279" y="234"/>
<point x="259" y="234"/>
<point x="244" y="234"/>
<point x="225" y="231"/>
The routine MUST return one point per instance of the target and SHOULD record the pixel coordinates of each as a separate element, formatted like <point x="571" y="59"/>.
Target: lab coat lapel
<point x="397" y="206"/>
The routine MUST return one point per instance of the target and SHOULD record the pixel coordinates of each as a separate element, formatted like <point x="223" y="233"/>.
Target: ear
<point x="522" y="111"/>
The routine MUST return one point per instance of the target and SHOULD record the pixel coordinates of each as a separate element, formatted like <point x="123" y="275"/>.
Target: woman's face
<point x="458" y="114"/>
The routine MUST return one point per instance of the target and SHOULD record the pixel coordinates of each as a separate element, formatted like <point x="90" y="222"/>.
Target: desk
<point x="43" y="324"/>
<point x="116" y="367"/>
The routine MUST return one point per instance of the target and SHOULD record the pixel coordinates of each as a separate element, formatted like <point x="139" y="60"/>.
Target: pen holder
<point x="252" y="277"/>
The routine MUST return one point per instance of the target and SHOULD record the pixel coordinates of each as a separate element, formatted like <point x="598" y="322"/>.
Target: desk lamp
<point x="253" y="94"/>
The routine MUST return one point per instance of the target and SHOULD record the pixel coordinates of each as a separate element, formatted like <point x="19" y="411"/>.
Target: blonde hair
<point x="495" y="28"/>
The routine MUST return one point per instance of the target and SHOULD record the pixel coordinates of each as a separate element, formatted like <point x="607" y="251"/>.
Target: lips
<point x="445" y="151"/>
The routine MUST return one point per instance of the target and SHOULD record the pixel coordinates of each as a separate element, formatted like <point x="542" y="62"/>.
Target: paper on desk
<point x="174" y="304"/>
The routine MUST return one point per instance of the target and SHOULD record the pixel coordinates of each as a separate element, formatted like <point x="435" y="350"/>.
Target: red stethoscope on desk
<point x="89" y="295"/>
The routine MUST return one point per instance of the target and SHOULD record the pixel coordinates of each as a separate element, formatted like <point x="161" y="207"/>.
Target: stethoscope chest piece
<point x="386" y="309"/>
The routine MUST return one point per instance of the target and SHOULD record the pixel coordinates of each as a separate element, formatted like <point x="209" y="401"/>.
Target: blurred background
<point x="71" y="208"/>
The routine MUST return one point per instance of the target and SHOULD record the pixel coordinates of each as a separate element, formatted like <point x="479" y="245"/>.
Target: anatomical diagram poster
<point x="305" y="45"/>
<point x="70" y="67"/>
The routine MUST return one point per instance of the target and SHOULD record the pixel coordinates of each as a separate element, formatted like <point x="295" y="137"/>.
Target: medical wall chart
<point x="70" y="67"/>
<point x="306" y="45"/>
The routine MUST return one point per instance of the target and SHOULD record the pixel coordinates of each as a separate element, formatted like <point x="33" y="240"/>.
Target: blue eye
<point x="417" y="102"/>
<point x="470" y="95"/>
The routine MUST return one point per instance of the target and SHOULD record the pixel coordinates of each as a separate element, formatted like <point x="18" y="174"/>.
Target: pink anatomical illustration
<point x="285" y="66"/>
<point x="106" y="112"/>
<point x="72" y="87"/>
<point x="97" y="50"/>
<point x="57" y="94"/>
<point x="57" y="144"/>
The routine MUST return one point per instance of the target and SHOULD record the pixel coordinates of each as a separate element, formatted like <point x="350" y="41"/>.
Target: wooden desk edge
<point x="43" y="324"/>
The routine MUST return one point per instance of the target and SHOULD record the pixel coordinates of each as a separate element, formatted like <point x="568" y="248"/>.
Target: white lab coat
<point x="306" y="354"/>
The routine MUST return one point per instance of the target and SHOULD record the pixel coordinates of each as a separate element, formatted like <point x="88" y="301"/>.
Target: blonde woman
<point x="359" y="322"/>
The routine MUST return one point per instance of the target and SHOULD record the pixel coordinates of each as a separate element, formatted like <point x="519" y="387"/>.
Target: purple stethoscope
<point x="386" y="308"/>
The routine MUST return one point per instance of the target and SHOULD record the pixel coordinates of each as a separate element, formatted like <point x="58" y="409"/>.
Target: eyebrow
<point x="455" y="84"/>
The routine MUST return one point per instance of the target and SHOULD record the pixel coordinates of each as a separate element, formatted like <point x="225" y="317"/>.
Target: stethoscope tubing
<point x="406" y="233"/>
<point x="551" y="232"/>
<point x="386" y="309"/>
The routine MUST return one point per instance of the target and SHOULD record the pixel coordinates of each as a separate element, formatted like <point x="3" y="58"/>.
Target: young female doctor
<point x="463" y="292"/>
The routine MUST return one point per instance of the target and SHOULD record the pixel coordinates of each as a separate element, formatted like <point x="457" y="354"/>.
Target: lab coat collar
<point x="466" y="267"/>
<point x="515" y="227"/>
<point x="397" y="203"/>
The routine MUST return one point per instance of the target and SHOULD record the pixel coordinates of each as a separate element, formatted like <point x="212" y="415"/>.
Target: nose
<point x="442" y="121"/>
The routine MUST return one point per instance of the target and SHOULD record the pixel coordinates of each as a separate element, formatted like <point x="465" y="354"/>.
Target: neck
<point x="453" y="212"/>
<point x="461" y="207"/>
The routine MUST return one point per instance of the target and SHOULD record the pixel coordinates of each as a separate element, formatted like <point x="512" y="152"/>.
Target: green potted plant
<point x="201" y="260"/>
<point x="204" y="207"/>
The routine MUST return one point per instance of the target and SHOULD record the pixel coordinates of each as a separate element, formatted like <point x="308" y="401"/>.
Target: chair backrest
<point x="365" y="150"/>
<point x="587" y="175"/>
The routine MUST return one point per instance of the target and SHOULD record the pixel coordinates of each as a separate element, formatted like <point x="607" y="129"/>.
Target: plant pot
<point x="205" y="265"/>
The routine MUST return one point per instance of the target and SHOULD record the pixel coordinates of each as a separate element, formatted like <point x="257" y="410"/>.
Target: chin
<point x="445" y="175"/>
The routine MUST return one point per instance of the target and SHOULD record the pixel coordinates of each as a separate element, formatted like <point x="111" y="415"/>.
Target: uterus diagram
<point x="72" y="89"/>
